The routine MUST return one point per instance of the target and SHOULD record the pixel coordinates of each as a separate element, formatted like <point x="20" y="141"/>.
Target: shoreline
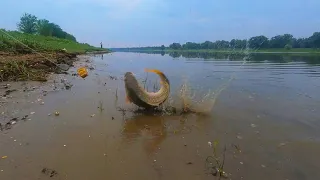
<point x="25" y="96"/>
<point x="36" y="67"/>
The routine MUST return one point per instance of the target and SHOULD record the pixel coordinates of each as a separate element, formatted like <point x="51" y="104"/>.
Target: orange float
<point x="82" y="72"/>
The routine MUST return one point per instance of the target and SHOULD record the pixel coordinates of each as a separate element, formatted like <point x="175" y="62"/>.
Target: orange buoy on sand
<point x="82" y="72"/>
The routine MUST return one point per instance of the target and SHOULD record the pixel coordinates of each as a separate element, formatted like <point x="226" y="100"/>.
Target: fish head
<point x="128" y="76"/>
<point x="130" y="80"/>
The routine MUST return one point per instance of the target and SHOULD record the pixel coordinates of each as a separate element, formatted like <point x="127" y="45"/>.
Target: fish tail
<point x="154" y="71"/>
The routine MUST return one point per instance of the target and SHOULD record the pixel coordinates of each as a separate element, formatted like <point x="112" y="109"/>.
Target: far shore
<point x="239" y="51"/>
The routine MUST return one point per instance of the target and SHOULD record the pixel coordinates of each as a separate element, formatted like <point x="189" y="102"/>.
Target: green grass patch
<point x="22" y="43"/>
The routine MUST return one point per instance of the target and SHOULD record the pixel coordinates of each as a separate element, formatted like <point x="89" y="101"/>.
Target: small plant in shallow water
<point x="214" y="163"/>
<point x="101" y="106"/>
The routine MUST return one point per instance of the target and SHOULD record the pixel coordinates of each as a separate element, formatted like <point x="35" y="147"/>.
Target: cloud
<point x="115" y="9"/>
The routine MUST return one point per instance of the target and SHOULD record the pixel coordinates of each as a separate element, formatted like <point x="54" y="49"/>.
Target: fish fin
<point x="153" y="70"/>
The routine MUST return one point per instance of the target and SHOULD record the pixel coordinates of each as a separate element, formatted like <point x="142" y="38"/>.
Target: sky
<point x="131" y="23"/>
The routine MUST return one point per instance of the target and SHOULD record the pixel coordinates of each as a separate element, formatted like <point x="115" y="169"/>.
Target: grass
<point x="16" y="42"/>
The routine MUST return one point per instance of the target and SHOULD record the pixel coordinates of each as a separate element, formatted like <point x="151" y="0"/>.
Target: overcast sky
<point x="125" y="23"/>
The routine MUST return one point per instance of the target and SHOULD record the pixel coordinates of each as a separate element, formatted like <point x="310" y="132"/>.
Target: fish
<point x="137" y="95"/>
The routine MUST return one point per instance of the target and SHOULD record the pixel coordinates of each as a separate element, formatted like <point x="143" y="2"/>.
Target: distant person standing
<point x="101" y="45"/>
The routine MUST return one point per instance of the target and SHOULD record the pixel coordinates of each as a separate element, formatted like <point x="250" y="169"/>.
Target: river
<point x="263" y="110"/>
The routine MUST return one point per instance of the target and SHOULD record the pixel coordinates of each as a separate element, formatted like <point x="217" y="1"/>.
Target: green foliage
<point x="314" y="40"/>
<point x="17" y="42"/>
<point x="31" y="25"/>
<point x="276" y="43"/>
<point x="287" y="47"/>
<point x="238" y="43"/>
<point x="28" y="23"/>
<point x="281" y="40"/>
<point x="175" y="46"/>
<point x="258" y="42"/>
<point x="46" y="28"/>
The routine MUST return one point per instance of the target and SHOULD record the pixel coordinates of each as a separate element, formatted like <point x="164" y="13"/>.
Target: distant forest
<point x="32" y="25"/>
<point x="286" y="41"/>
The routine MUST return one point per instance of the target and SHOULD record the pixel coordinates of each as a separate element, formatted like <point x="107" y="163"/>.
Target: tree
<point x="233" y="43"/>
<point x="191" y="45"/>
<point x="44" y="27"/>
<point x="175" y="46"/>
<point x="163" y="47"/>
<point x="286" y="41"/>
<point x="28" y="23"/>
<point x="280" y="41"/>
<point x="70" y="37"/>
<point x="237" y="43"/>
<point x="222" y="44"/>
<point x="205" y="45"/>
<point x="258" y="42"/>
<point x="315" y="40"/>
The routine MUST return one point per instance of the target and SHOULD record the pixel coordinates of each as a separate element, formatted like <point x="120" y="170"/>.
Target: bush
<point x="287" y="47"/>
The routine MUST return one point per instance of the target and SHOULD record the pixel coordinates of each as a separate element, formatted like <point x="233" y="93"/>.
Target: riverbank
<point x="33" y="57"/>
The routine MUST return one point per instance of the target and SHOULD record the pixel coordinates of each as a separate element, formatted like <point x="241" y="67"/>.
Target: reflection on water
<point x="154" y="129"/>
<point x="253" y="57"/>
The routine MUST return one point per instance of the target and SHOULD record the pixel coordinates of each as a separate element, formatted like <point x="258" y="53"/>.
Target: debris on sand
<point x="64" y="67"/>
<point x="253" y="125"/>
<point x="113" y="77"/>
<point x="7" y="92"/>
<point x="57" y="113"/>
<point x="5" y="86"/>
<point x="24" y="117"/>
<point x="66" y="84"/>
<point x="11" y="122"/>
<point x="49" y="172"/>
<point x="239" y="137"/>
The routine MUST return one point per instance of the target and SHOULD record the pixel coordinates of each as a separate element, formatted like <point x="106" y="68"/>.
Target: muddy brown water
<point x="268" y="118"/>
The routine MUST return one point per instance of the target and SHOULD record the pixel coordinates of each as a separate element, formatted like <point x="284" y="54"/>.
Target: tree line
<point x="32" y="25"/>
<point x="286" y="41"/>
